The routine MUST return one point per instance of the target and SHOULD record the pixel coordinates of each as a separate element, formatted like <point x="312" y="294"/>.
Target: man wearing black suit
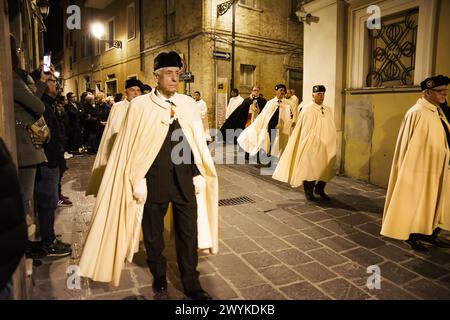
<point x="172" y="182"/>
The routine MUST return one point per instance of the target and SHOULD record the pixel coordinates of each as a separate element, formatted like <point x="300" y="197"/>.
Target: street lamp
<point x="98" y="31"/>
<point x="44" y="7"/>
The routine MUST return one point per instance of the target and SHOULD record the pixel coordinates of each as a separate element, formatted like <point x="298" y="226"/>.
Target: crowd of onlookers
<point x="50" y="128"/>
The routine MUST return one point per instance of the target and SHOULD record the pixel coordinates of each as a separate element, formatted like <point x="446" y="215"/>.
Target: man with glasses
<point x="48" y="175"/>
<point x="419" y="180"/>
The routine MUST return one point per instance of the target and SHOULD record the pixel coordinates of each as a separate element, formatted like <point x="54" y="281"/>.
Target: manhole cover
<point x="235" y="201"/>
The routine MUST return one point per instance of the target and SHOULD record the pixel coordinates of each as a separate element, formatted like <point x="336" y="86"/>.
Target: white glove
<point x="140" y="191"/>
<point x="199" y="183"/>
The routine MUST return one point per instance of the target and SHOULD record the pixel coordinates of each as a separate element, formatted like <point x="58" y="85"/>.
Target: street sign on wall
<point x="221" y="55"/>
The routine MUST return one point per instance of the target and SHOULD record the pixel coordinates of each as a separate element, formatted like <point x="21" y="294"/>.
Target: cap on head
<point x="319" y="88"/>
<point x="134" y="83"/>
<point x="146" y="87"/>
<point x="167" y="59"/>
<point x="433" y="82"/>
<point x="279" y="86"/>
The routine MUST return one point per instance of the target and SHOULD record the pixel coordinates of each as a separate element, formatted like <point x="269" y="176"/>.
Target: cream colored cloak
<point x="418" y="187"/>
<point x="311" y="151"/>
<point x="113" y="125"/>
<point x="256" y="136"/>
<point x="112" y="235"/>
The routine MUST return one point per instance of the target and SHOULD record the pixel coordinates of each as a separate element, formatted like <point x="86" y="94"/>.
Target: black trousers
<point x="186" y="242"/>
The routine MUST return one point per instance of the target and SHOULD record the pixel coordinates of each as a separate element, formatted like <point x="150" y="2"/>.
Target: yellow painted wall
<point x="371" y="130"/>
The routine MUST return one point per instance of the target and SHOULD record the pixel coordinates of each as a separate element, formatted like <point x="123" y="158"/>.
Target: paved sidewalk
<point x="278" y="247"/>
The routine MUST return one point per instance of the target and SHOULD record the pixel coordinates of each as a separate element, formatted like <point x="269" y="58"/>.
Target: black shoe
<point x="35" y="250"/>
<point x="416" y="245"/>
<point x="434" y="240"/>
<point x="319" y="189"/>
<point x="159" y="284"/>
<point x="309" y="191"/>
<point x="58" y="249"/>
<point x="199" y="295"/>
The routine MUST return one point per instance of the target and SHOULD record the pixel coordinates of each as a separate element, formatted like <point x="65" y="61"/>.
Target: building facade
<point x="268" y="47"/>
<point x="372" y="72"/>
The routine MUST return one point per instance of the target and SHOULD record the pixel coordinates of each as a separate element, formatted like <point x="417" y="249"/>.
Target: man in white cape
<point x="276" y="114"/>
<point x="204" y="112"/>
<point x="133" y="88"/>
<point x="235" y="101"/>
<point x="418" y="192"/>
<point x="140" y="157"/>
<point x="310" y="155"/>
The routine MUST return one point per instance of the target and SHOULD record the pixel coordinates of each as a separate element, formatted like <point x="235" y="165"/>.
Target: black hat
<point x="167" y="59"/>
<point x="319" y="88"/>
<point x="278" y="86"/>
<point x="133" y="83"/>
<point x="146" y="87"/>
<point x="433" y="82"/>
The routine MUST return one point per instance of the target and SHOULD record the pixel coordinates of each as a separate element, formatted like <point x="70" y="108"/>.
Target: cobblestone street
<point x="276" y="246"/>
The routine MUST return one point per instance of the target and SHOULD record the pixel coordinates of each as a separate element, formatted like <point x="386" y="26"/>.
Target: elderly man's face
<point x="318" y="97"/>
<point x="168" y="79"/>
<point x="437" y="95"/>
<point x="133" y="92"/>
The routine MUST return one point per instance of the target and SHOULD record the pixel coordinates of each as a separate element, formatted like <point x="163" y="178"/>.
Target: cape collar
<point x="162" y="101"/>
<point x="424" y="102"/>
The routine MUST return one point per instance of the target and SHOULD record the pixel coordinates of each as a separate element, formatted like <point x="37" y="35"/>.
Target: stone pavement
<point x="276" y="246"/>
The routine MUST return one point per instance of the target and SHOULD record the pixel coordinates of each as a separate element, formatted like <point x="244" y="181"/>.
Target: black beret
<point x="319" y="88"/>
<point x="133" y="83"/>
<point x="433" y="82"/>
<point x="167" y="59"/>
<point x="146" y="87"/>
<point x="278" y="86"/>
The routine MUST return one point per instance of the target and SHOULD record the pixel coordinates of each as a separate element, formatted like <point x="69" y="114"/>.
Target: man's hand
<point x="140" y="191"/>
<point x="199" y="183"/>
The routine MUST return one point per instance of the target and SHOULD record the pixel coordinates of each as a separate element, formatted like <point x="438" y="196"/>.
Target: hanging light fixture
<point x="44" y="7"/>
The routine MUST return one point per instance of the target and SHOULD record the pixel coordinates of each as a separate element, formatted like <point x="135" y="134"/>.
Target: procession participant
<point x="115" y="121"/>
<point x="310" y="155"/>
<point x="276" y="114"/>
<point x="418" y="184"/>
<point x="141" y="160"/>
<point x="235" y="101"/>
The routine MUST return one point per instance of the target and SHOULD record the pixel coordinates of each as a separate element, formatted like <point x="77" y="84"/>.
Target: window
<point x="393" y="51"/>
<point x="131" y="22"/>
<point x="247" y="75"/>
<point x="249" y="3"/>
<point x="170" y="19"/>
<point x="110" y="34"/>
<point x="70" y="38"/>
<point x="412" y="20"/>
<point x="111" y="87"/>
<point x="96" y="47"/>
<point x="70" y="63"/>
<point x="133" y="77"/>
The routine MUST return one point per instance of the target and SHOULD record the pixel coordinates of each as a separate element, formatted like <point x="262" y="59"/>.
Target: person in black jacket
<point x="13" y="228"/>
<point x="49" y="175"/>
<point x="75" y="113"/>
